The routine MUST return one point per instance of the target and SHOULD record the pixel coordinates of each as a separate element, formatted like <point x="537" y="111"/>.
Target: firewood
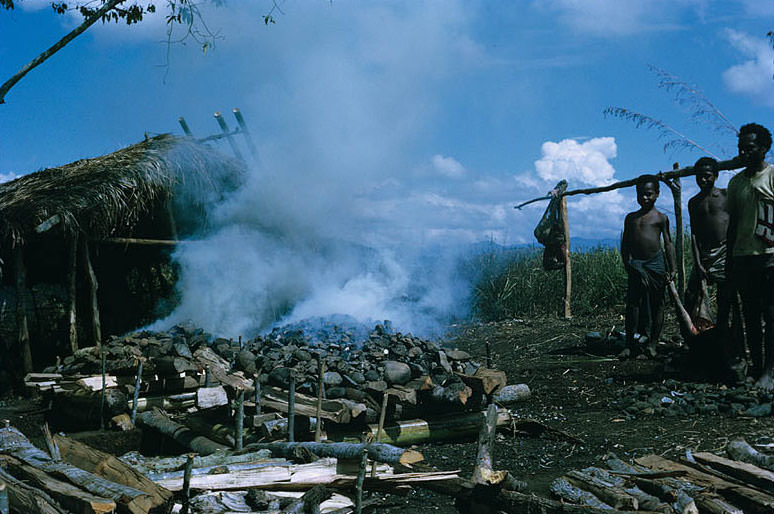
<point x="483" y="474"/>
<point x="604" y="490"/>
<point x="333" y="410"/>
<point x="748" y="473"/>
<point x="310" y="501"/>
<point x="563" y="490"/>
<point x="25" y="499"/>
<point x="157" y="467"/>
<point x="15" y="444"/>
<point x="159" y="421"/>
<point x="73" y="498"/>
<point x="512" y="502"/>
<point x="486" y="381"/>
<point x="95" y="383"/>
<point x="740" y="450"/>
<point x="164" y="365"/>
<point x="109" y="467"/>
<point x="380" y="452"/>
<point x="209" y="397"/>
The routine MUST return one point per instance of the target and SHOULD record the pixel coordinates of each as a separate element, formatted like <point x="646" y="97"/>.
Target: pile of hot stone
<point x="360" y="363"/>
<point x="672" y="398"/>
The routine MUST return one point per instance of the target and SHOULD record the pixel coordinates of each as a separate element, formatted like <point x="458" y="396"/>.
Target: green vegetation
<point x="513" y="284"/>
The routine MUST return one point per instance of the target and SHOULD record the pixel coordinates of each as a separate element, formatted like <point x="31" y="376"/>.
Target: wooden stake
<point x="380" y="428"/>
<point x="53" y="448"/>
<point x="482" y="472"/>
<point x="224" y="128"/>
<point x="239" y="419"/>
<point x="488" y="354"/>
<point x="243" y="129"/>
<point x="187" y="483"/>
<point x="320" y="385"/>
<point x="21" y="311"/>
<point x="136" y="396"/>
<point x="72" y="291"/>
<point x="91" y="278"/>
<point x="676" y="188"/>
<point x="360" y="479"/>
<point x="207" y="376"/>
<point x="4" y="507"/>
<point x="567" y="263"/>
<point x="292" y="407"/>
<point x="257" y="391"/>
<point x="102" y="392"/>
<point x="184" y="125"/>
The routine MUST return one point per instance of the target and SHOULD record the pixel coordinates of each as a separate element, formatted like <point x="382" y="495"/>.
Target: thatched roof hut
<point x="58" y="229"/>
<point x="108" y="195"/>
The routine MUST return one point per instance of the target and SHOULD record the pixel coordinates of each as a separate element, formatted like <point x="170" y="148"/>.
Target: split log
<point x="564" y="490"/>
<point x="95" y="383"/>
<point x="604" y="490"/>
<point x="220" y="469"/>
<point x="158" y="466"/>
<point x="747" y="473"/>
<point x="751" y="500"/>
<point x="109" y="467"/>
<point x="159" y="421"/>
<point x="512" y="502"/>
<point x="483" y="474"/>
<point x="336" y="411"/>
<point x="172" y="365"/>
<point x="485" y="380"/>
<point x="25" y="499"/>
<point x="14" y="443"/>
<point x="209" y="397"/>
<point x="740" y="450"/>
<point x="73" y="498"/>
<point x="171" y="403"/>
<point x="310" y="501"/>
<point x="464" y="426"/>
<point x="380" y="452"/>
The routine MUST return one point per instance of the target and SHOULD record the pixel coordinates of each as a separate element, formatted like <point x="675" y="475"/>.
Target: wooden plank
<point x="110" y="468"/>
<point x="758" y="477"/>
<point x="25" y="499"/>
<point x="751" y="500"/>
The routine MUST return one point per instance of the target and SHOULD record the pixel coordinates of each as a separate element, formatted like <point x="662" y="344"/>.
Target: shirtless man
<point x="751" y="247"/>
<point x="646" y="267"/>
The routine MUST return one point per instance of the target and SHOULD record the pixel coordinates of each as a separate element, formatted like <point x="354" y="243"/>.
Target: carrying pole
<point x="567" y="312"/>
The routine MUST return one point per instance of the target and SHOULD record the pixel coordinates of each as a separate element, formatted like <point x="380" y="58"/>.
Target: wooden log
<point x="187" y="483"/>
<point x="72" y="291"/>
<point x="564" y="490"/>
<point x="25" y="499"/>
<point x="380" y="429"/>
<point x="604" y="490"/>
<point x="91" y="280"/>
<point x="95" y="383"/>
<point x="15" y="444"/>
<point x="566" y="308"/>
<point x="750" y="500"/>
<point x="73" y="498"/>
<point x="173" y="365"/>
<point x="513" y="502"/>
<point x="159" y="467"/>
<point x="219" y="469"/>
<point x="169" y="403"/>
<point x="310" y="501"/>
<point x="209" y="397"/>
<point x="379" y="452"/>
<point x="360" y="481"/>
<point x="336" y="411"/>
<point x="292" y="406"/>
<point x="239" y="420"/>
<point x="677" y="204"/>
<point x="110" y="468"/>
<point x="5" y="507"/>
<point x="464" y="426"/>
<point x="320" y="389"/>
<point x="748" y="473"/>
<point x="21" y="311"/>
<point x="645" y="501"/>
<point x="679" y="495"/>
<point x="159" y="421"/>
<point x="740" y="450"/>
<point x="483" y="474"/>
<point x="485" y="380"/>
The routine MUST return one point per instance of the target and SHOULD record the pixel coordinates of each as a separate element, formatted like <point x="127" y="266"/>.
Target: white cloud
<point x="6" y="177"/>
<point x="585" y="163"/>
<point x="619" y="17"/>
<point x="448" y="166"/>
<point x="753" y="77"/>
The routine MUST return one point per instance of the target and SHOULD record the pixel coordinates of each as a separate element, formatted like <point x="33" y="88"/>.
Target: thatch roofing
<point x="107" y="195"/>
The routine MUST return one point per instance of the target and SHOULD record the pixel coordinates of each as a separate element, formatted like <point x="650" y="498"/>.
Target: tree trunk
<point x="379" y="452"/>
<point x="159" y="421"/>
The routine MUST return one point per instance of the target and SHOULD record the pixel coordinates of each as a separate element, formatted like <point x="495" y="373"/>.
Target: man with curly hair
<point x="751" y="247"/>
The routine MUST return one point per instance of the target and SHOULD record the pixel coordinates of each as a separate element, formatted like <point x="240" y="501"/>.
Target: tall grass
<point x="513" y="283"/>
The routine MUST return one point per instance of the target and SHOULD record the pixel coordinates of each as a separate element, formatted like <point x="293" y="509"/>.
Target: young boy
<point x="709" y="225"/>
<point x="648" y="271"/>
<point x="751" y="247"/>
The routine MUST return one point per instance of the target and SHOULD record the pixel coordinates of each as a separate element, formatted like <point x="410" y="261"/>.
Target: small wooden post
<point x="224" y="129"/>
<point x="257" y="391"/>
<point x="184" y="125"/>
<point x="207" y="378"/>
<point x="360" y="479"/>
<point x="486" y="442"/>
<point x="187" y="483"/>
<point x="380" y="427"/>
<point x="676" y="188"/>
<point x="292" y="407"/>
<point x="72" y="291"/>
<point x="239" y="420"/>
<point x="488" y="354"/>
<point x="53" y="448"/>
<point x="136" y="396"/>
<point x="91" y="278"/>
<point x="4" y="506"/>
<point x="102" y="392"/>
<point x="21" y="311"/>
<point x="243" y="129"/>
<point x="567" y="263"/>
<point x="320" y="384"/>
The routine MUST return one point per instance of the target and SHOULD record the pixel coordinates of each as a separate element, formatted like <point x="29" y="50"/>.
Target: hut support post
<point x="91" y="278"/>
<point x="72" y="291"/>
<point x="676" y="187"/>
<point x="21" y="311"/>
<point x="567" y="312"/>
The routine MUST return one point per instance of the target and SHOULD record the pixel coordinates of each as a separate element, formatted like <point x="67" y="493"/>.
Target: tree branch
<point x="8" y="84"/>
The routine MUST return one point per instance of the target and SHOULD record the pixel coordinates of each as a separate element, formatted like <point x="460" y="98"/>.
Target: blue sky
<point x="398" y="122"/>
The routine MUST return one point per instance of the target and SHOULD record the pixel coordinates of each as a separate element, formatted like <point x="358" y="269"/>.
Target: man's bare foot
<point x="766" y="382"/>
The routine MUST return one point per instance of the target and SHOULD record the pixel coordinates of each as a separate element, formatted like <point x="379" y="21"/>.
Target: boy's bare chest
<point x="711" y="207"/>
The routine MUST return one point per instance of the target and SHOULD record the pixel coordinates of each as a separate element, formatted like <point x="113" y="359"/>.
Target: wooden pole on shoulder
<point x="567" y="264"/>
<point x="21" y="310"/>
<point x="677" y="202"/>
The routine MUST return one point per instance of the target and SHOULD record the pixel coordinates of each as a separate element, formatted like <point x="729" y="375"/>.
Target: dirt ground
<point x="572" y="391"/>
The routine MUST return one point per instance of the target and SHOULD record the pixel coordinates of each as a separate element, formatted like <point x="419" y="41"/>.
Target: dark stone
<point x="397" y="372"/>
